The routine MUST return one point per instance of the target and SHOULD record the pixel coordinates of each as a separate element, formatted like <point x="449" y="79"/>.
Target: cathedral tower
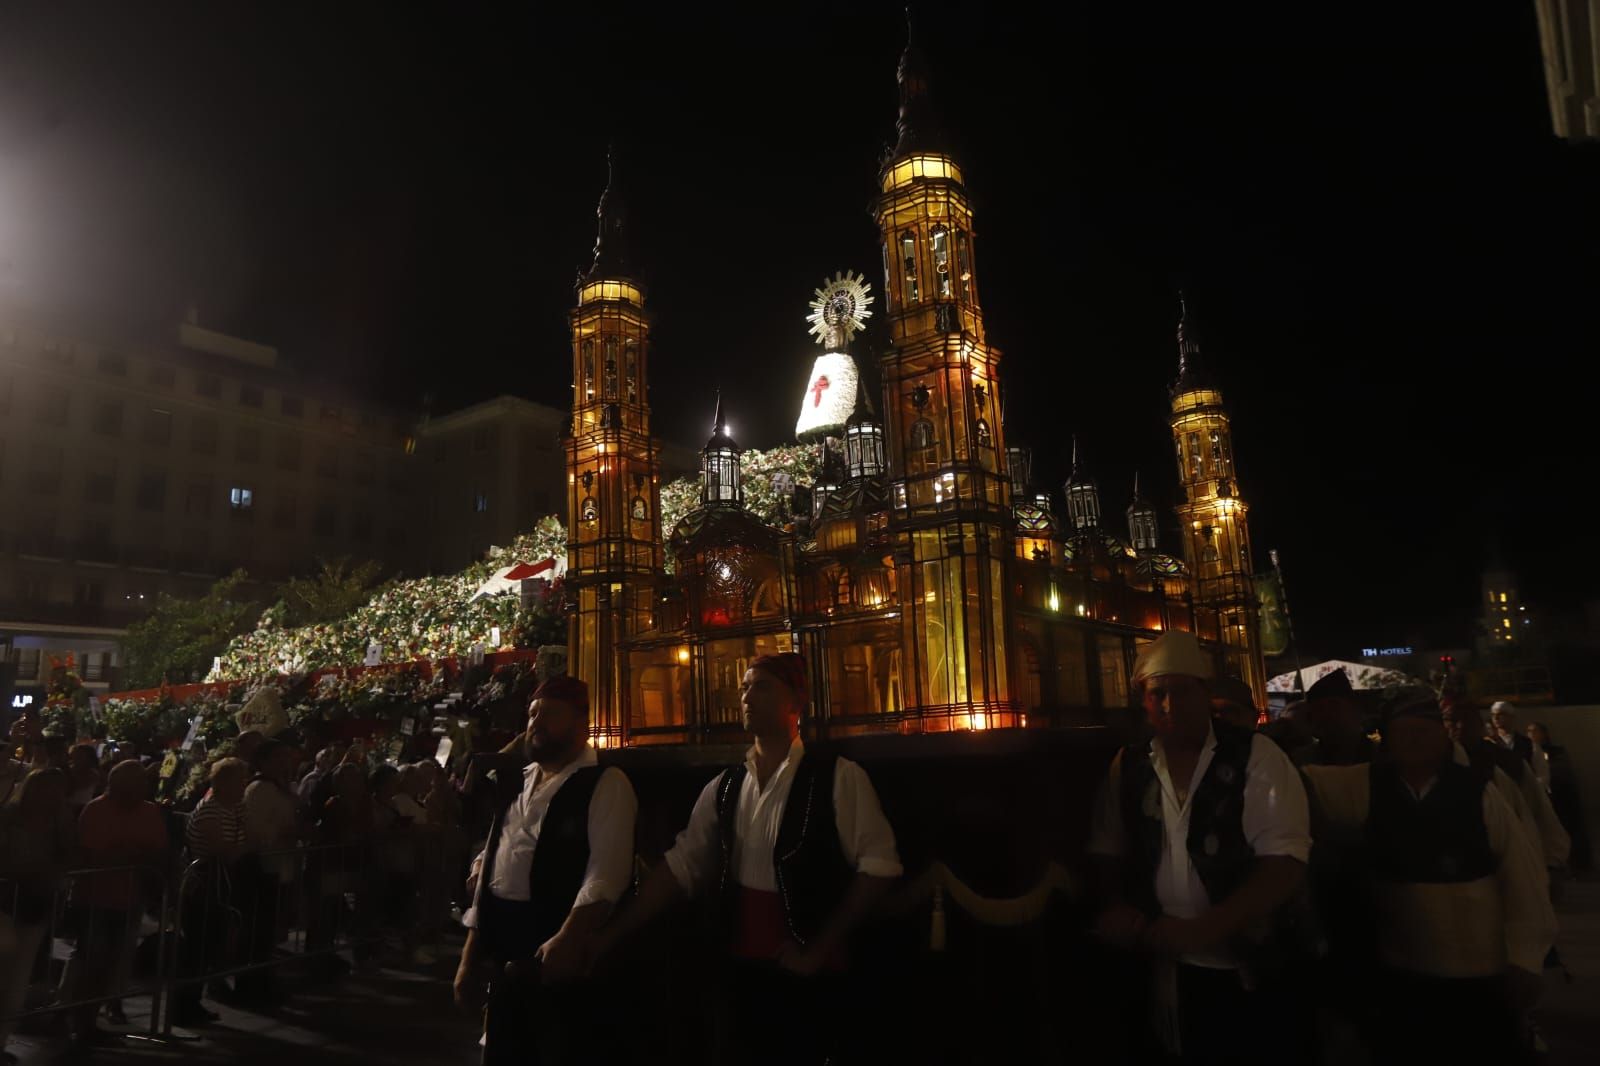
<point x="950" y="495"/>
<point x="614" y="553"/>
<point x="1213" y="516"/>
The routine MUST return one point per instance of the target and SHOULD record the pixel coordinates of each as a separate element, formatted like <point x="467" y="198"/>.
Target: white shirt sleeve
<point x="1276" y="821"/>
<point x="1105" y="819"/>
<point x="612" y="811"/>
<point x="1554" y="842"/>
<point x="1530" y="922"/>
<point x="693" y="859"/>
<point x="864" y="832"/>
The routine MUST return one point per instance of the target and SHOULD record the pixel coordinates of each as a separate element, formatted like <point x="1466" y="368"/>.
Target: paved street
<point x="404" y="1015"/>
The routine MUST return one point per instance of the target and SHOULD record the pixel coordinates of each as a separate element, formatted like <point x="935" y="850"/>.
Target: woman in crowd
<point x="216" y="841"/>
<point x="36" y="845"/>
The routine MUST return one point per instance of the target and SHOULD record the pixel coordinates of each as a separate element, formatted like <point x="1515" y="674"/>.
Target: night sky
<point x="1391" y="260"/>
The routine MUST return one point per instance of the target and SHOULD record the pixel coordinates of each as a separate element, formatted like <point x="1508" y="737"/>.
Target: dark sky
<point x="1392" y="261"/>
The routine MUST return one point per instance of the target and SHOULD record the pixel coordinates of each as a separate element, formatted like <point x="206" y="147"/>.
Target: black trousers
<point x="1222" y="1023"/>
<point x="770" y="1017"/>
<point x="527" y="1022"/>
<point x="1442" y="1019"/>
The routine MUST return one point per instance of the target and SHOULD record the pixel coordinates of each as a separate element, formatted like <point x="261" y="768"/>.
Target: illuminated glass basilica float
<point x="931" y="584"/>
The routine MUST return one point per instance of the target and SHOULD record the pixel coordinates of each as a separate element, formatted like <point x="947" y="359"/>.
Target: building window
<point x="641" y="510"/>
<point x="283" y="511"/>
<point x="162" y="376"/>
<point x="325" y="523"/>
<point x="480" y="502"/>
<point x="108" y="418"/>
<point x="328" y="461"/>
<point x="157" y="426"/>
<point x="250" y="395"/>
<point x="964" y="266"/>
<point x="203" y="435"/>
<point x="589" y="512"/>
<point x="292" y="406"/>
<point x="247" y="444"/>
<point x="44" y="469"/>
<point x="151" y="495"/>
<point x="52" y="409"/>
<point x="908" y="266"/>
<point x="208" y="385"/>
<point x="922" y="435"/>
<point x="288" y="452"/>
<point x="241" y="499"/>
<point x="631" y="370"/>
<point x="941" y="262"/>
<point x="89" y="594"/>
<point x="609" y="367"/>
<point x="113" y="363"/>
<point x="985" y="440"/>
<point x="197" y="501"/>
<point x="28" y="658"/>
<point x="588" y="370"/>
<point x="100" y="486"/>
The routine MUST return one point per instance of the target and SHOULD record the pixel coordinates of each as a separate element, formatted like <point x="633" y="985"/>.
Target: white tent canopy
<point x="1362" y="676"/>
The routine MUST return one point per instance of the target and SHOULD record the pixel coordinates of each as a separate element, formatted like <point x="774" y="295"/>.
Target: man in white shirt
<point x="1463" y="921"/>
<point x="559" y="857"/>
<point x="1200" y="837"/>
<point x="793" y="849"/>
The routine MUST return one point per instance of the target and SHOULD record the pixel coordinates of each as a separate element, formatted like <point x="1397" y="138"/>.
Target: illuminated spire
<point x="1191" y="374"/>
<point x="917" y="125"/>
<point x="610" y="244"/>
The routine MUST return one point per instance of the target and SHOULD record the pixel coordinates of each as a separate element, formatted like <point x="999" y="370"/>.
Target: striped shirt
<point x="210" y="822"/>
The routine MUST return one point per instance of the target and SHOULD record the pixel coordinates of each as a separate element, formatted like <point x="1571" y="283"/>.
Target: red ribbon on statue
<point x="822" y="382"/>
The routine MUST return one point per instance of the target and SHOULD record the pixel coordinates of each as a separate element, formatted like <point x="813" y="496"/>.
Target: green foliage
<point x="335" y="591"/>
<point x="181" y="637"/>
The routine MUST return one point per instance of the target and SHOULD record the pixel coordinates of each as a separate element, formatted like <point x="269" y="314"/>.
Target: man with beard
<point x="558" y="858"/>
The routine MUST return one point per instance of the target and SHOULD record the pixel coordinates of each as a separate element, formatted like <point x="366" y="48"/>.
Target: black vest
<point x="1439" y="839"/>
<point x="808" y="859"/>
<point x="1216" y="843"/>
<point x="1485" y="756"/>
<point x="560" y="858"/>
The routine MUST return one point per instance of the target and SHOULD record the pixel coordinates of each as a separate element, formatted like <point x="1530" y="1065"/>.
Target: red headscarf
<point x="567" y="689"/>
<point x="788" y="667"/>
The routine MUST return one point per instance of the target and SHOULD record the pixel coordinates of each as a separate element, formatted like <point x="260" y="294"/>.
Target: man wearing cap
<point x="559" y="856"/>
<point x="1335" y="719"/>
<point x="1200" y="837"/>
<point x="1233" y="702"/>
<point x="1463" y="921"/>
<point x="793" y="850"/>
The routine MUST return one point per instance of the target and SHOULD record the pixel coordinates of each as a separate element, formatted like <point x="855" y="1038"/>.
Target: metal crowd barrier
<point x="108" y="934"/>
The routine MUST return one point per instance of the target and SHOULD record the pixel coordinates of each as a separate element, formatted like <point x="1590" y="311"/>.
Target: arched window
<point x="630" y="366"/>
<point x="589" y="511"/>
<point x="588" y="370"/>
<point x="908" y="264"/>
<point x="941" y="262"/>
<point x="641" y="510"/>
<point x="985" y="439"/>
<point x="610" y="367"/>
<point x="963" y="266"/>
<point x="922" y="435"/>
